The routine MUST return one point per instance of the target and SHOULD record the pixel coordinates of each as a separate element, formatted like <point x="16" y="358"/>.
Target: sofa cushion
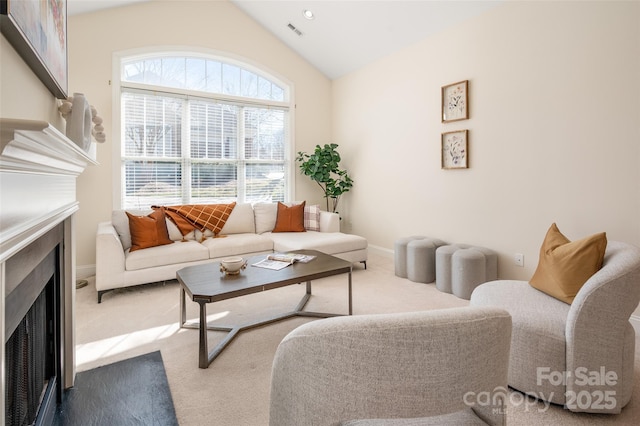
<point x="176" y="252"/>
<point x="237" y="244"/>
<point x="240" y="221"/>
<point x="148" y="231"/>
<point x="538" y="333"/>
<point x="564" y="266"/>
<point x="326" y="242"/>
<point x="265" y="216"/>
<point x="290" y="218"/>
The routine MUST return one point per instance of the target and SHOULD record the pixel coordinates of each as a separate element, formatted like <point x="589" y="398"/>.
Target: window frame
<point x="224" y="57"/>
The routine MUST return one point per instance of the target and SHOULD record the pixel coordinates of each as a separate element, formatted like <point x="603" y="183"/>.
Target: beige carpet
<point x="234" y="390"/>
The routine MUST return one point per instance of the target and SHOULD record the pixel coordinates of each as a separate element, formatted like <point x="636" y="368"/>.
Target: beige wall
<point x="554" y="131"/>
<point x="219" y="25"/>
<point x="22" y="94"/>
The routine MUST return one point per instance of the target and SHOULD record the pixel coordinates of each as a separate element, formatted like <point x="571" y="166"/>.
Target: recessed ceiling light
<point x="308" y="14"/>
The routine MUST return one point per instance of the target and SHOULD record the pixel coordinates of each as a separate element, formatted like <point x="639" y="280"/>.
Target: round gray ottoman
<point x="443" y="266"/>
<point x="460" y="268"/>
<point x="421" y="260"/>
<point x="400" y="254"/>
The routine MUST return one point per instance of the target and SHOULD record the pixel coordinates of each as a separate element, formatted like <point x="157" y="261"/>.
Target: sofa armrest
<point x="110" y="258"/>
<point x="329" y="222"/>
<point x="385" y="366"/>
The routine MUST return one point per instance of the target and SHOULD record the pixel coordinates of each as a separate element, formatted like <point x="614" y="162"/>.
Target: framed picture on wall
<point x="37" y="30"/>
<point x="455" y="150"/>
<point x="455" y="101"/>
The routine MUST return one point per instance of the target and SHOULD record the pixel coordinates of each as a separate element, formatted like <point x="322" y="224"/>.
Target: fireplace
<point x="33" y="349"/>
<point x="38" y="171"/>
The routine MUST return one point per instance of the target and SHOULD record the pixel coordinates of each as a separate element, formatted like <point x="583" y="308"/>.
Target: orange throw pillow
<point x="148" y="231"/>
<point x="565" y="266"/>
<point x="290" y="219"/>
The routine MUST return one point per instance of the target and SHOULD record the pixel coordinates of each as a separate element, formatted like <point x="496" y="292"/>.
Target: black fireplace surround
<point x="33" y="348"/>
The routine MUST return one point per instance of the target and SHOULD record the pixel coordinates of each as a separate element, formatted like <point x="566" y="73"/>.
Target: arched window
<point x="200" y="129"/>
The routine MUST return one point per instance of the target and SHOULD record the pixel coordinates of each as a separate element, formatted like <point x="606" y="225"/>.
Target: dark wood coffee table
<point x="206" y="284"/>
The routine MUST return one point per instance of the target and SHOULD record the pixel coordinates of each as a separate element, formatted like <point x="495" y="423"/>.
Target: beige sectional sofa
<point x="247" y="232"/>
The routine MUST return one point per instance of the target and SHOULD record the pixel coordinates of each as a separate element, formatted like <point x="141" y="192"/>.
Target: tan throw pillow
<point x="148" y="231"/>
<point x="290" y="219"/>
<point x="565" y="266"/>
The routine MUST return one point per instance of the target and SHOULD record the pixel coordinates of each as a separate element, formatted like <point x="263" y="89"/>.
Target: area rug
<point x="235" y="389"/>
<point x="134" y="391"/>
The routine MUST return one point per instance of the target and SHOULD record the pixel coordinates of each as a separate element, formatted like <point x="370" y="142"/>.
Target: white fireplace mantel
<point x="39" y="167"/>
<point x="38" y="170"/>
<point x="36" y="146"/>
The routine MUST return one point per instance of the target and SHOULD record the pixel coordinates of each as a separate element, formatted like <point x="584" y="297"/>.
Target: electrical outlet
<point x="519" y="259"/>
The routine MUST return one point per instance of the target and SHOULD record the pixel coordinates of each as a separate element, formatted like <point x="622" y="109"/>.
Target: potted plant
<point x="323" y="168"/>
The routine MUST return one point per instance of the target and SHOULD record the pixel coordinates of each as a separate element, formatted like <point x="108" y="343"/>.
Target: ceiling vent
<point x="294" y="29"/>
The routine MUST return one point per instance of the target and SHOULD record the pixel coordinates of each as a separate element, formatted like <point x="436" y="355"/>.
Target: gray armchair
<point x="434" y="367"/>
<point x="579" y="355"/>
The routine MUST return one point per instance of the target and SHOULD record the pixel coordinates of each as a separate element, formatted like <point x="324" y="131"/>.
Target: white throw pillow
<point x="265" y="216"/>
<point x="240" y="221"/>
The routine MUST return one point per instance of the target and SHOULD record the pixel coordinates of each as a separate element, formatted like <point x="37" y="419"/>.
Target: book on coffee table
<point x="276" y="265"/>
<point x="279" y="261"/>
<point x="291" y="257"/>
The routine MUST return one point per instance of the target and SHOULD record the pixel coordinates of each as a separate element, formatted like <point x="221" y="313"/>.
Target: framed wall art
<point x="455" y="101"/>
<point x="37" y="30"/>
<point x="455" y="150"/>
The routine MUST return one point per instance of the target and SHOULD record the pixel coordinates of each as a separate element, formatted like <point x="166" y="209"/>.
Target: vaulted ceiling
<point x="343" y="35"/>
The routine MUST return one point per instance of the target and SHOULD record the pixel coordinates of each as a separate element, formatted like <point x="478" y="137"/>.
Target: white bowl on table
<point x="232" y="265"/>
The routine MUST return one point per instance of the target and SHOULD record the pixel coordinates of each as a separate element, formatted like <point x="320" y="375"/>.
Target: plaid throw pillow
<point x="312" y="218"/>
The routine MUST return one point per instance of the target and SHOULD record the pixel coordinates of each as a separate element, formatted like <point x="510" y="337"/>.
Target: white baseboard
<point x="635" y="322"/>
<point x="85" y="271"/>
<point x="381" y="251"/>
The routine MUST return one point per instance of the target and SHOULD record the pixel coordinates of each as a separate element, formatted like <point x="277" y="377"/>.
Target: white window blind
<point x="189" y="143"/>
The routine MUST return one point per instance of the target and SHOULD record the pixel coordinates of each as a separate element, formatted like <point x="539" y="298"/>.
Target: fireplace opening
<point x="30" y="374"/>
<point x="33" y="371"/>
